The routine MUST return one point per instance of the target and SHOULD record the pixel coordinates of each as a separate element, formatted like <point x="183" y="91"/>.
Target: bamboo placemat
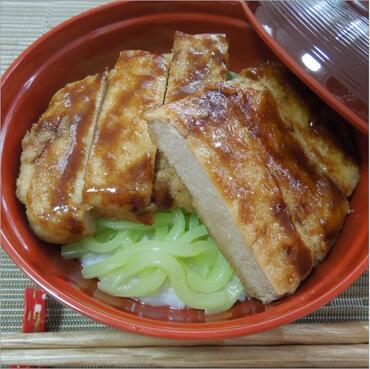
<point x="21" y="23"/>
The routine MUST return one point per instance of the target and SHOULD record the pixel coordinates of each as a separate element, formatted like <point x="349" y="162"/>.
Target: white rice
<point x="166" y="296"/>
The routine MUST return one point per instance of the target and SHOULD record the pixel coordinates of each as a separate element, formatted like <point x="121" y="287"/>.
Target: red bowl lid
<point x="325" y="44"/>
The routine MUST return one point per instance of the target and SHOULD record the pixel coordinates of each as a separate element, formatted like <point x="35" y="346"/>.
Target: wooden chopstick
<point x="329" y="356"/>
<point x="293" y="334"/>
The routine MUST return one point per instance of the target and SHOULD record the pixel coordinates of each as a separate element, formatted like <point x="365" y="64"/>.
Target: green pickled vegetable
<point x="232" y="75"/>
<point x="137" y="259"/>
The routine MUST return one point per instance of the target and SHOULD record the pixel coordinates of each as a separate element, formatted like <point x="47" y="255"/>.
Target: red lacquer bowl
<point x="87" y="44"/>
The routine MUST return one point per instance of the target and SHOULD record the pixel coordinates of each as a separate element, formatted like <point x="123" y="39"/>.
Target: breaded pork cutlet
<point x="219" y="146"/>
<point x="53" y="161"/>
<point x="120" y="172"/>
<point x="312" y="132"/>
<point x="316" y="205"/>
<point x="196" y="61"/>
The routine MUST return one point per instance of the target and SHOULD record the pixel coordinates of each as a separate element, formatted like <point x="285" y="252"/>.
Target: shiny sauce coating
<point x="120" y="171"/>
<point x="214" y="124"/>
<point x="196" y="60"/>
<point x="54" y="198"/>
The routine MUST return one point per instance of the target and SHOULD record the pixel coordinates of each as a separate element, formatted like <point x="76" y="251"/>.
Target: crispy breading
<point x="196" y="61"/>
<point x="53" y="161"/>
<point x="314" y="133"/>
<point x="316" y="205"/>
<point x="230" y="148"/>
<point x="169" y="191"/>
<point x="120" y="172"/>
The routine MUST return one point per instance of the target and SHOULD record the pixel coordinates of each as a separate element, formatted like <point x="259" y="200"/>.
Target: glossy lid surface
<point x="326" y="44"/>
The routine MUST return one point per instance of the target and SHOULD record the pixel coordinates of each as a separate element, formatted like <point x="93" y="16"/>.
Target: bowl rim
<point x="304" y="76"/>
<point x="134" y="323"/>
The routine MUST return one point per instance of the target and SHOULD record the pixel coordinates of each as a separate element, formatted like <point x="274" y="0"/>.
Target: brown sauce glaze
<point x="253" y="73"/>
<point x="297" y="252"/>
<point x="75" y="226"/>
<point x="140" y="173"/>
<point x="49" y="124"/>
<point x="58" y="149"/>
<point x="80" y="119"/>
<point x="120" y="170"/>
<point x="197" y="59"/>
<point x="161" y="196"/>
<point x="305" y="187"/>
<point x="109" y="133"/>
<point x="264" y="121"/>
<point x="236" y="162"/>
<point x="324" y="138"/>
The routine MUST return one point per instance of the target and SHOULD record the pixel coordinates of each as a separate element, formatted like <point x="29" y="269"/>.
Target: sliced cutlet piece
<point x="53" y="162"/>
<point x="316" y="205"/>
<point x="120" y="172"/>
<point x="197" y="60"/>
<point x="204" y="137"/>
<point x="319" y="140"/>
